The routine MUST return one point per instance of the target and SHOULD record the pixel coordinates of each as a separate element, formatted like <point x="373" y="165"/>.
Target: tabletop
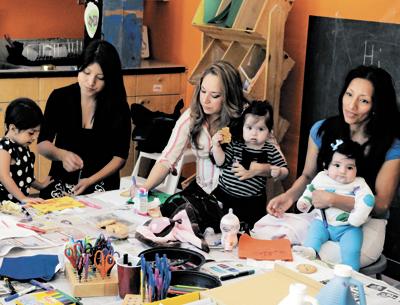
<point x="112" y="204"/>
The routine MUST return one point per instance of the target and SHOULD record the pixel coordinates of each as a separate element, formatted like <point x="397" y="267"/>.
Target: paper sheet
<point x="277" y="249"/>
<point x="57" y="204"/>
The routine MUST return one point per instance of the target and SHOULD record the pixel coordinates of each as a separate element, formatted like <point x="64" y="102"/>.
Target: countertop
<point x="146" y="67"/>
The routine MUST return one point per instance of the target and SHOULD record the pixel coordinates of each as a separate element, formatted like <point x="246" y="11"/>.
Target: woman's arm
<point x="280" y="204"/>
<point x="386" y="184"/>
<point x="217" y="151"/>
<point x="110" y="168"/>
<point x="171" y="154"/>
<point x="71" y="161"/>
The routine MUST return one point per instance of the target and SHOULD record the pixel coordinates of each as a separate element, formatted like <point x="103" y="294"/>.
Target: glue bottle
<point x="298" y="296"/>
<point x="230" y="226"/>
<point x="143" y="200"/>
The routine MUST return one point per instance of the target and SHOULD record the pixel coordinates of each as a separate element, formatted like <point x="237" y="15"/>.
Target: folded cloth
<point x="30" y="267"/>
<point x="291" y="226"/>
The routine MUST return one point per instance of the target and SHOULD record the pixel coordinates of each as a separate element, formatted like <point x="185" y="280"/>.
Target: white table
<point x="117" y="205"/>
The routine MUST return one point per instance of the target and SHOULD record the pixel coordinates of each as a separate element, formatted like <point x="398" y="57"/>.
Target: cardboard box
<point x="255" y="290"/>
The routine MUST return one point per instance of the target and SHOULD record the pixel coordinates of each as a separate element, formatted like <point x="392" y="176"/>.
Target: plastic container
<point x="142" y="195"/>
<point x="337" y="290"/>
<point x="230" y="226"/>
<point x="298" y="296"/>
<point x="190" y="260"/>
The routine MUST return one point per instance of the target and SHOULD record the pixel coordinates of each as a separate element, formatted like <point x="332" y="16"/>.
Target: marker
<point x="324" y="218"/>
<point x="89" y="204"/>
<point x="19" y="294"/>
<point x="235" y="275"/>
<point x="41" y="285"/>
<point x="33" y="228"/>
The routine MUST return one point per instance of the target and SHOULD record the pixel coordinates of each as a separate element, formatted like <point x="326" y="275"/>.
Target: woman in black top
<point x="90" y="124"/>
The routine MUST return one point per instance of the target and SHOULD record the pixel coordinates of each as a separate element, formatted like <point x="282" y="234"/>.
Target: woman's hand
<point x="241" y="172"/>
<point x="322" y="199"/>
<point x="82" y="185"/>
<point x="278" y="205"/>
<point x="71" y="161"/>
<point x="35" y="200"/>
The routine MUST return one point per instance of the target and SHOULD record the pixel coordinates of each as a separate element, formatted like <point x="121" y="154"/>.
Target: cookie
<point x="102" y="224"/>
<point x="226" y="135"/>
<point x="126" y="193"/>
<point x="306" y="268"/>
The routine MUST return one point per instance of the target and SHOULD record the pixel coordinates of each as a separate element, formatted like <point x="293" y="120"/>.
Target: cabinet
<point x="158" y="90"/>
<point x="254" y="45"/>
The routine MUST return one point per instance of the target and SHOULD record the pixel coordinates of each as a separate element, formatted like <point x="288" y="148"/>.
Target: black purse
<point x="203" y="207"/>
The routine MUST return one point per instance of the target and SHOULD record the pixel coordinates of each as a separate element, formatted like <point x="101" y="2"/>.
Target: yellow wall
<point x="173" y="38"/>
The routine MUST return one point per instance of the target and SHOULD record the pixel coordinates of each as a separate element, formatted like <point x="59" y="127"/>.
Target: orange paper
<point x="277" y="249"/>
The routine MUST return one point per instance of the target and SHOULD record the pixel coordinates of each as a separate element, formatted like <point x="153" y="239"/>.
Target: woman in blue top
<point x="368" y="115"/>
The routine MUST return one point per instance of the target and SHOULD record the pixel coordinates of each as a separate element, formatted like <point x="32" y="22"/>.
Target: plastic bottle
<point x="337" y="290"/>
<point x="143" y="200"/>
<point x="229" y="225"/>
<point x="297" y="296"/>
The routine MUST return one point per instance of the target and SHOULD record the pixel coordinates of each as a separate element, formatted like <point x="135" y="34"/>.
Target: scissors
<point x="73" y="253"/>
<point x="103" y="263"/>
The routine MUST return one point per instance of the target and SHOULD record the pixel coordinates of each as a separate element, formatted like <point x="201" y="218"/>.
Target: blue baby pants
<point x="350" y="240"/>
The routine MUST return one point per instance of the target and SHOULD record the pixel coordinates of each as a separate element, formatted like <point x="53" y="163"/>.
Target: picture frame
<point x="145" y="51"/>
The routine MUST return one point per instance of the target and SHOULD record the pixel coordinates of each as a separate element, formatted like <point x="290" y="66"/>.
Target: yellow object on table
<point x="57" y="204"/>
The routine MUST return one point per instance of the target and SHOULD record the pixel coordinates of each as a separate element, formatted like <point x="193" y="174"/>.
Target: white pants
<point x="374" y="237"/>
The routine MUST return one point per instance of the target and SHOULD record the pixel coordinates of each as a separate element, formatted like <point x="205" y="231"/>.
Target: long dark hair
<point x="23" y="113"/>
<point x="233" y="99"/>
<point x="113" y="96"/>
<point x="383" y="120"/>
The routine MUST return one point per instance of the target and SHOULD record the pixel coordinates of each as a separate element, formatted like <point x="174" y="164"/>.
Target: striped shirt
<point x="238" y="151"/>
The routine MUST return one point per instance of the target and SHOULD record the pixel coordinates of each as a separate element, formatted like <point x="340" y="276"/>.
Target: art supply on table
<point x="89" y="270"/>
<point x="30" y="227"/>
<point x="89" y="203"/>
<point x="142" y="196"/>
<point x="298" y="296"/>
<point x="154" y="278"/>
<point x="79" y="175"/>
<point x="337" y="290"/>
<point x="42" y="266"/>
<point x="55" y="297"/>
<point x="41" y="285"/>
<point x="277" y="249"/>
<point x="19" y="294"/>
<point x="57" y="204"/>
<point x="227" y="270"/>
<point x="128" y="268"/>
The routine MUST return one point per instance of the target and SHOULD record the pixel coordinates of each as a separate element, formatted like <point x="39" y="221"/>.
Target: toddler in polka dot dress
<point x="22" y="122"/>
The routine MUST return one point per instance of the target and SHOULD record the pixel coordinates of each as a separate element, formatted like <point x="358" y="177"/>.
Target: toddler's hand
<point x="303" y="206"/>
<point x="275" y="171"/>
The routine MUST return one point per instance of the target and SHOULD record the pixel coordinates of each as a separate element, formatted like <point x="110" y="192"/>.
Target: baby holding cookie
<point x="247" y="196"/>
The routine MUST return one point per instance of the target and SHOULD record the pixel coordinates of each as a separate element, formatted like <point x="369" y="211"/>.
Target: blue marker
<point x="41" y="285"/>
<point x="19" y="294"/>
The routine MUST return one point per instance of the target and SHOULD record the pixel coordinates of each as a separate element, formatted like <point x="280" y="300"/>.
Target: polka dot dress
<point x="22" y="169"/>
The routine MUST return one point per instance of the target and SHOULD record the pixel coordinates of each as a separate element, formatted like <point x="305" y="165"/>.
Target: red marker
<point x="33" y="228"/>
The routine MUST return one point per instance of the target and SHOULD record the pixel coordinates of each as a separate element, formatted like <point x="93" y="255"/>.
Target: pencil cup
<point x="128" y="275"/>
